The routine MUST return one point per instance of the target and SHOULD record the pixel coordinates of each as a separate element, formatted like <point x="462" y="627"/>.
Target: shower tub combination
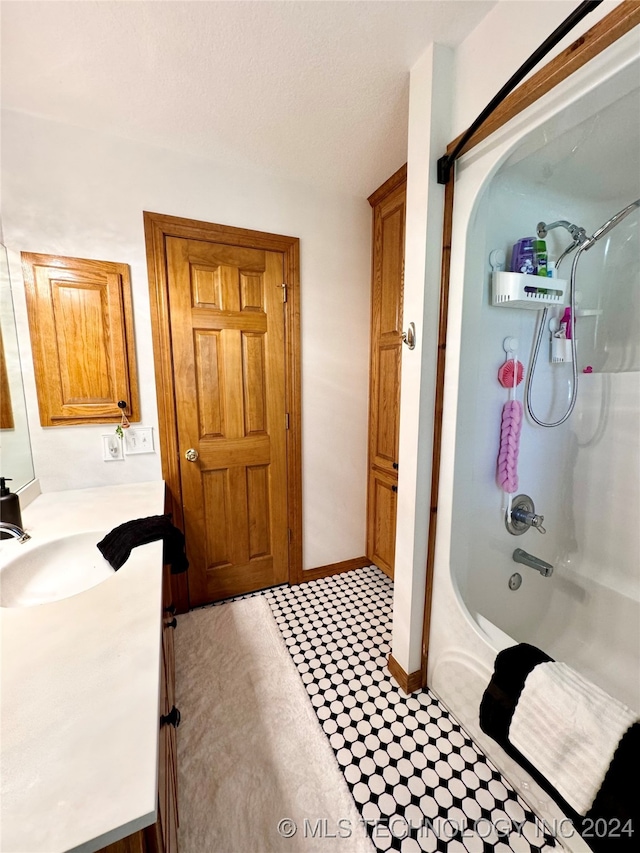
<point x="575" y="156"/>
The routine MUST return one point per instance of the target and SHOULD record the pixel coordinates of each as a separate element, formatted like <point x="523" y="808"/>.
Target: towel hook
<point x="409" y="337"/>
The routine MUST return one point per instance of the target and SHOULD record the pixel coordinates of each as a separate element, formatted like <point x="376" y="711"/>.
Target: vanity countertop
<point x="80" y="683"/>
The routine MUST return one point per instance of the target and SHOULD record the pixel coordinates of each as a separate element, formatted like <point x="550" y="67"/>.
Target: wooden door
<point x="227" y="327"/>
<point x="388" y="204"/>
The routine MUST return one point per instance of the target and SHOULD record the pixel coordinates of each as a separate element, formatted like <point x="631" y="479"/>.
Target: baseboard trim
<point x="332" y="569"/>
<point x="407" y="682"/>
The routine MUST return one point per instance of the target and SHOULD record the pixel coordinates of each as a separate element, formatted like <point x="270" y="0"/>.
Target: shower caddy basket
<point x="518" y="290"/>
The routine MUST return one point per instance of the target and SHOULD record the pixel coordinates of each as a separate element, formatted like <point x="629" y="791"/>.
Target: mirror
<point x="15" y="446"/>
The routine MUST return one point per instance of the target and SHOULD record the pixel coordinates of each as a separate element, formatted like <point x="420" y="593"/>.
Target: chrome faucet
<point x="545" y="569"/>
<point x="14" y="531"/>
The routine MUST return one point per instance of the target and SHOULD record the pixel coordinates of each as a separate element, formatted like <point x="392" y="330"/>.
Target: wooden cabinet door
<point x="81" y="325"/>
<point x="386" y="344"/>
<point x="227" y="327"/>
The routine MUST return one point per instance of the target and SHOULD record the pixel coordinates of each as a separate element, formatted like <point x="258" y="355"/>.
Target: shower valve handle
<point x="536" y="522"/>
<point x="531" y="519"/>
<point x="523" y="516"/>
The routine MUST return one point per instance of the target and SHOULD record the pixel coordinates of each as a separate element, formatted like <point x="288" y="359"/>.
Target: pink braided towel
<point x="507" y="474"/>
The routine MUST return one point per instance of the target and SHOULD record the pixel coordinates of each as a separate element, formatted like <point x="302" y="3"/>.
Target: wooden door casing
<point x="388" y="204"/>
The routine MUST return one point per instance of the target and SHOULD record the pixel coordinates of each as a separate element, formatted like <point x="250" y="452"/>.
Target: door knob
<point x="191" y="455"/>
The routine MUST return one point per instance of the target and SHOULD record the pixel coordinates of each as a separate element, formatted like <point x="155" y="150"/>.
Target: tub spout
<point x="545" y="569"/>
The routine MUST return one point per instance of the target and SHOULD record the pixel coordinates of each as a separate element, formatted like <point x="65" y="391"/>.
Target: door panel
<point x="253" y="368"/>
<point x="386" y="423"/>
<point x="258" y="508"/>
<point x="383" y="502"/>
<point x="227" y="326"/>
<point x="391" y="265"/>
<point x="209" y="379"/>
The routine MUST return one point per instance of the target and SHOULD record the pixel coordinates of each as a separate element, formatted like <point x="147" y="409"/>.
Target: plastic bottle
<point x="565" y="324"/>
<point x="540" y="257"/>
<point x="9" y="507"/>
<point x="522" y="259"/>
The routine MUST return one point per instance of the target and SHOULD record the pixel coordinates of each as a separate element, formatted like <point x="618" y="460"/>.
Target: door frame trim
<point x="157" y="227"/>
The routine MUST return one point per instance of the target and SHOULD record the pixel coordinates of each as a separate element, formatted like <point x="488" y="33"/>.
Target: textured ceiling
<point x="317" y="91"/>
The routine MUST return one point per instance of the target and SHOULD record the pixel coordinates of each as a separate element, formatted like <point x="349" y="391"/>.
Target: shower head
<point x="579" y="234"/>
<point x="610" y="223"/>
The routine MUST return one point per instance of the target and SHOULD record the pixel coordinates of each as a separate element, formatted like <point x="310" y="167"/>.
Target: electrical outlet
<point x="111" y="448"/>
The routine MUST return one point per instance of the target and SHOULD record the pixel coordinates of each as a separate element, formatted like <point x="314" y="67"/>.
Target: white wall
<point x="428" y="134"/>
<point x="447" y="101"/>
<point x="69" y="191"/>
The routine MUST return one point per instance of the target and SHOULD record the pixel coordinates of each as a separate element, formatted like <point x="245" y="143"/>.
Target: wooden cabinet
<point x="162" y="836"/>
<point x="167" y="824"/>
<point x="388" y="203"/>
<point x="81" y="325"/>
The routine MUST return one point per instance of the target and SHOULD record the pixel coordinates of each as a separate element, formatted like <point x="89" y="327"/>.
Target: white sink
<point x="52" y="570"/>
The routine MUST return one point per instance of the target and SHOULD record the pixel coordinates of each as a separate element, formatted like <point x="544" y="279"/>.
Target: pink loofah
<point x="507" y="475"/>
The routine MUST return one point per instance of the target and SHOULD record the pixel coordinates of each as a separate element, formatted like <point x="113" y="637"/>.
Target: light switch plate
<point x="138" y="440"/>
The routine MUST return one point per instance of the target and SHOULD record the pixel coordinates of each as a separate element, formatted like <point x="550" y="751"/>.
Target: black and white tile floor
<point x="419" y="781"/>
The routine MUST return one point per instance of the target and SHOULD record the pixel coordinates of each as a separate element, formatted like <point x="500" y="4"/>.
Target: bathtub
<point x="462" y="651"/>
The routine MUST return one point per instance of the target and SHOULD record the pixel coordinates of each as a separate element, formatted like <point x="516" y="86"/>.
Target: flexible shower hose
<point x="574" y="360"/>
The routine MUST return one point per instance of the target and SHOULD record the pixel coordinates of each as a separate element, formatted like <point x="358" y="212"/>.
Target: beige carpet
<point x="251" y="752"/>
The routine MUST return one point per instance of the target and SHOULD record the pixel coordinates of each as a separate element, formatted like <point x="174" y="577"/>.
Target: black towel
<point x="116" y="546"/>
<point x="612" y="824"/>
<point x="511" y="669"/>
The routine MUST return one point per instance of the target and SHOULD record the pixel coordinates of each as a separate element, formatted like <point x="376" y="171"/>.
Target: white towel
<point x="568" y="729"/>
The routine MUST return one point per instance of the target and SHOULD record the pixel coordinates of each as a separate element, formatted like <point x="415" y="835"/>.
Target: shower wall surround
<point x="583" y="474"/>
<point x="546" y="164"/>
